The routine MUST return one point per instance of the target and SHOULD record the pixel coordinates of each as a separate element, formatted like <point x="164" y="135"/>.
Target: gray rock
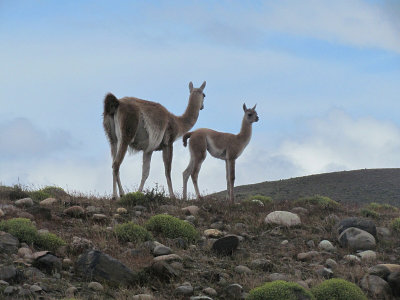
<point x="143" y="297"/>
<point x="363" y="224"/>
<point x="210" y="291"/>
<point x="226" y="245"/>
<point x="192" y="210"/>
<point x="8" y="273"/>
<point x="8" y="243"/>
<point x="310" y="244"/>
<point x="331" y="264"/>
<point x="161" y="250"/>
<point x="24" y="293"/>
<point x="80" y="245"/>
<point x="70" y="292"/>
<point x="10" y="290"/>
<point x="163" y="270"/>
<point x="278" y="276"/>
<point x="1" y="213"/>
<point x="376" y="286"/>
<point x="96" y="286"/>
<point x="25" y="202"/>
<point x="200" y="298"/>
<point x="283" y="218"/>
<point x="184" y="290"/>
<point x="394" y="282"/>
<point x="35" y="288"/>
<point x="357" y="239"/>
<point x="352" y="259"/>
<point x="33" y="273"/>
<point x="3" y="283"/>
<point x="74" y="211"/>
<point x="307" y="256"/>
<point x="48" y="202"/>
<point x="367" y="255"/>
<point x="96" y="265"/>
<point x="326" y="245"/>
<point x="234" y="291"/>
<point x="324" y="272"/>
<point x="218" y="225"/>
<point x="48" y="263"/>
<point x="384" y="270"/>
<point x="242" y="270"/>
<point x="262" y="264"/>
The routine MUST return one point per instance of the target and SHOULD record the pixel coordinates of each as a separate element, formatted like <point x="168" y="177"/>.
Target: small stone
<point x="234" y="291"/>
<point x="67" y="263"/>
<point x="3" y="283"/>
<point x="48" y="202"/>
<point x="367" y="255"/>
<point x="307" y="256"/>
<point x="162" y="250"/>
<point x="218" y="225"/>
<point x="74" y="211"/>
<point x="10" y="290"/>
<point x="284" y="242"/>
<point x="310" y="244"/>
<point x="99" y="217"/>
<point x="324" y="272"/>
<point x="351" y="258"/>
<point x="213" y="233"/>
<point x="24" y="252"/>
<point x="95" y="286"/>
<point x="262" y="264"/>
<point x="185" y="290"/>
<point x="25" y="202"/>
<point x="143" y="297"/>
<point x="210" y="291"/>
<point x="35" y="288"/>
<point x="326" y="245"/>
<point x="167" y="258"/>
<point x="71" y="291"/>
<point x="192" y="209"/>
<point x="242" y="270"/>
<point x="122" y="210"/>
<point x="330" y="263"/>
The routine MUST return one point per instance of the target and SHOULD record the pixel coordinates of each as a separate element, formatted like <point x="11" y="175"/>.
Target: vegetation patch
<point x="365" y="212"/>
<point x="381" y="207"/>
<point x="171" y="227"/>
<point x="395" y="224"/>
<point x="49" y="241"/>
<point x="264" y="199"/>
<point x="149" y="198"/>
<point x="319" y="201"/>
<point x="12" y="193"/>
<point x="280" y="290"/>
<point x="338" y="289"/>
<point x="130" y="232"/>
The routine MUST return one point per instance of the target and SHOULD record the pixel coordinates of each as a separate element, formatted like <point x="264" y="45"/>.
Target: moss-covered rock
<point x="171" y="227"/>
<point x="130" y="232"/>
<point x="280" y="289"/>
<point x="338" y="289"/>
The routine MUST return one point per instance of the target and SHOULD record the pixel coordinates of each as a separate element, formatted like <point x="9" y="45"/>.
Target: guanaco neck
<point x="245" y="132"/>
<point x="190" y="116"/>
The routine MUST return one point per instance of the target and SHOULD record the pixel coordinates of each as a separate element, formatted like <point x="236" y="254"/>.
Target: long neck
<point x="190" y="116"/>
<point x="245" y="131"/>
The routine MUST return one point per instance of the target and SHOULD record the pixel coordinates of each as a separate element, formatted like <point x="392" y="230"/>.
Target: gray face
<point x="202" y="102"/>
<point x="251" y="115"/>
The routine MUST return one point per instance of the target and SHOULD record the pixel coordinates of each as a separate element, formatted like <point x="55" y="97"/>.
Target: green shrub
<point x="49" y="241"/>
<point x="21" y="228"/>
<point x="279" y="289"/>
<point x="370" y="213"/>
<point x="130" y="232"/>
<point x="39" y="195"/>
<point x="264" y="199"/>
<point x="395" y="224"/>
<point x="319" y="201"/>
<point x="338" y="289"/>
<point x="47" y="192"/>
<point x="381" y="207"/>
<point x="12" y="193"/>
<point x="152" y="197"/>
<point x="172" y="227"/>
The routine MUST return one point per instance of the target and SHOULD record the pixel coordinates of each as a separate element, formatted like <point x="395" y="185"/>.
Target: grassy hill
<point x="358" y="186"/>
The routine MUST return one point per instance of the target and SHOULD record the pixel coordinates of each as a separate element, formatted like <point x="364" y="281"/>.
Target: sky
<point x="325" y="76"/>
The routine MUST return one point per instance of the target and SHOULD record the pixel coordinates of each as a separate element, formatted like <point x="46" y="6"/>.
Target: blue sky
<point x="324" y="74"/>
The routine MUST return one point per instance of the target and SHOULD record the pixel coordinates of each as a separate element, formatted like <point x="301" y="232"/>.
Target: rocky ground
<point x="240" y="247"/>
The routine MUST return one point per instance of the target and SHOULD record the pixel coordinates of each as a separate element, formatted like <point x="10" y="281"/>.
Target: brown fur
<point x="221" y="145"/>
<point x="146" y="126"/>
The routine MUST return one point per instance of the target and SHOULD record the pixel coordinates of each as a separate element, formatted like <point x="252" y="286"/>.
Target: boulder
<point x="25" y="202"/>
<point x="161" y="250"/>
<point x="376" y="287"/>
<point x="226" y="245"/>
<point x="284" y="218"/>
<point x="96" y="265"/>
<point x="74" y="211"/>
<point x="8" y="243"/>
<point x="394" y="282"/>
<point x="48" y="263"/>
<point x="213" y="233"/>
<point x="384" y="270"/>
<point x="326" y="245"/>
<point x="357" y="239"/>
<point x="367" y="255"/>
<point x="363" y="224"/>
<point x="8" y="273"/>
<point x="48" y="202"/>
<point x="192" y="210"/>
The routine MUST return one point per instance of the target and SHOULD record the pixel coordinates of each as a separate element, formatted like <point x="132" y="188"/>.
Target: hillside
<point x="358" y="186"/>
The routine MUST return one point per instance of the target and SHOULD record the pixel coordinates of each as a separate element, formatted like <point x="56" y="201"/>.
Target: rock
<point x="257" y="202"/>
<point x="74" y="211"/>
<point x="284" y="242"/>
<point x="384" y="270"/>
<point x="24" y="293"/>
<point x="324" y="272"/>
<point x="213" y="233"/>
<point x="226" y="245"/>
<point x="39" y="212"/>
<point x="99" y="217"/>
<point x="70" y="292"/>
<point x="26" y="215"/>
<point x="122" y="211"/>
<point x="192" y="210"/>
<point x="43" y="231"/>
<point x="25" y="202"/>
<point x="93" y="209"/>
<point x="163" y="270"/>
<point x="357" y="239"/>
<point x="218" y="225"/>
<point x="33" y="273"/>
<point x="8" y="243"/>
<point x="24" y="252"/>
<point x="35" y="288"/>
<point x="3" y="283"/>
<point x="367" y="255"/>
<point x="67" y="263"/>
<point x="351" y="258"/>
<point x="167" y="258"/>
<point x="262" y="264"/>
<point x="242" y="270"/>
<point x="80" y="245"/>
<point x="307" y="256"/>
<point x="383" y="231"/>
<point x="283" y="218"/>
<point x="8" y="273"/>
<point x="143" y="297"/>
<point x="10" y="290"/>
<point x="326" y="245"/>
<point x="185" y="290"/>
<point x="48" y="202"/>
<point x="191" y="219"/>
<point x="2" y="214"/>
<point x="162" y="250"/>
<point x="376" y="286"/>
<point x="331" y="264"/>
<point x="210" y="291"/>
<point x="200" y="298"/>
<point x="234" y="291"/>
<point x="394" y="282"/>
<point x="48" y="263"/>
<point x="310" y="243"/>
<point x="95" y="286"/>
<point x="363" y="224"/>
<point x="94" y="264"/>
<point x="278" y="276"/>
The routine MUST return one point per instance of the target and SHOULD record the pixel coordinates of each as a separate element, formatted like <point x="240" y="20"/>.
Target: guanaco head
<point x="250" y="113"/>
<point x="198" y="93"/>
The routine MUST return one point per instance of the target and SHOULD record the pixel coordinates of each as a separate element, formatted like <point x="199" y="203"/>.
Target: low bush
<point x="171" y="227"/>
<point x="47" y="192"/>
<point x="381" y="207"/>
<point x="49" y="241"/>
<point x="319" y="201"/>
<point x="264" y="199"/>
<point x="21" y="228"/>
<point x="280" y="289"/>
<point x="395" y="224"/>
<point x="151" y="197"/>
<point x="130" y="232"/>
<point x="338" y="289"/>
<point x="365" y="212"/>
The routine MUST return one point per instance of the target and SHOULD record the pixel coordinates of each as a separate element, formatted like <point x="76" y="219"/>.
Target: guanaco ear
<point x="203" y="85"/>
<point x="244" y="107"/>
<point x="254" y="107"/>
<point x="190" y="86"/>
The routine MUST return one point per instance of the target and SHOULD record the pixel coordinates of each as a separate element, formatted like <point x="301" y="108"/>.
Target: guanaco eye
<point x="250" y="115"/>
<point x="204" y="95"/>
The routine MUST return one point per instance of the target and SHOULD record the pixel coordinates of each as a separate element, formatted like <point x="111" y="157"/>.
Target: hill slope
<point x="358" y="186"/>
